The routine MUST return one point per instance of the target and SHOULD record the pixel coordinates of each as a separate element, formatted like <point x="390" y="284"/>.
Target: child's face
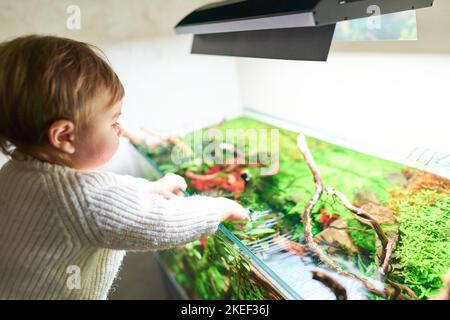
<point x="99" y="141"/>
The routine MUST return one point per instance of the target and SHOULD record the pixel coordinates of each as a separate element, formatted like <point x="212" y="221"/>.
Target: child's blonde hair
<point x="44" y="79"/>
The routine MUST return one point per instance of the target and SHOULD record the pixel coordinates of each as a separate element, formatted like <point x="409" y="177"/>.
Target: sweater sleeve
<point x="120" y="213"/>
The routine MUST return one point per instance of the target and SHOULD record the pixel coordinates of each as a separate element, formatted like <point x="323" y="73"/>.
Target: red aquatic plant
<point x="326" y="219"/>
<point x="218" y="178"/>
<point x="203" y="242"/>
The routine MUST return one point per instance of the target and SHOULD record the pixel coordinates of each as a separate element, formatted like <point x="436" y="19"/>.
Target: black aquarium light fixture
<point x="279" y="29"/>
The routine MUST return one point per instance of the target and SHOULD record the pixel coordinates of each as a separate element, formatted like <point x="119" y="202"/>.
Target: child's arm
<point x="122" y="213"/>
<point x="169" y="186"/>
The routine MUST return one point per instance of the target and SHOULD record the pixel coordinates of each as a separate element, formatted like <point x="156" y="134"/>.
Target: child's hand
<point x="169" y="186"/>
<point x="231" y="210"/>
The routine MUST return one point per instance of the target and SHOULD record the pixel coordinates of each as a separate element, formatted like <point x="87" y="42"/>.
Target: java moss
<point x="424" y="247"/>
<point x="364" y="239"/>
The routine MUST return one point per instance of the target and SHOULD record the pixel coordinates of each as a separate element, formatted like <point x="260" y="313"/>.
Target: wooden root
<point x="388" y="254"/>
<point x="361" y="215"/>
<point x="366" y="216"/>
<point x="331" y="283"/>
<point x="173" y="140"/>
<point x="307" y="219"/>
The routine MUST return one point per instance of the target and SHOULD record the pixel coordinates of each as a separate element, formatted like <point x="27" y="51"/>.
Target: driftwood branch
<point x="361" y="215"/>
<point x="331" y="283"/>
<point x="364" y="215"/>
<point x="387" y="244"/>
<point x="388" y="254"/>
<point x="307" y="219"/>
<point x="403" y="287"/>
<point x="173" y="140"/>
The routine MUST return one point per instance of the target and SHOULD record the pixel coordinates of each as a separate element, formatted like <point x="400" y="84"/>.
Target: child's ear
<point x="61" y="135"/>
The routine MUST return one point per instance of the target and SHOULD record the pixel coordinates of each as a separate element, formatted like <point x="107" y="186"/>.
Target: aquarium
<point x="326" y="222"/>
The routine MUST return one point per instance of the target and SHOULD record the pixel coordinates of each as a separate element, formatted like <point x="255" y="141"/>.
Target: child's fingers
<point x="178" y="192"/>
<point x="177" y="189"/>
<point x="240" y="216"/>
<point x="181" y="183"/>
<point x="167" y="194"/>
<point x="175" y="181"/>
<point x="179" y="186"/>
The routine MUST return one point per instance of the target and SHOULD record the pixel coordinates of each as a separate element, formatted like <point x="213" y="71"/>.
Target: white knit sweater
<point x="63" y="233"/>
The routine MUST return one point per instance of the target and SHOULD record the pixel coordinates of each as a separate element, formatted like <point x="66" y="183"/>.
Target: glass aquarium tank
<point x="326" y="222"/>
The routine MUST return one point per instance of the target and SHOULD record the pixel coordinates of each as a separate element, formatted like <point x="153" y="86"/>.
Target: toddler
<point x="60" y="217"/>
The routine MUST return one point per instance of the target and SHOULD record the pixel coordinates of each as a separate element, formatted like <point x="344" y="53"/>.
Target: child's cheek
<point x="97" y="150"/>
<point x="109" y="148"/>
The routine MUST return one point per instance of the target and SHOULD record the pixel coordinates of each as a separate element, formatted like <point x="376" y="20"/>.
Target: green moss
<point x="365" y="239"/>
<point x="424" y="246"/>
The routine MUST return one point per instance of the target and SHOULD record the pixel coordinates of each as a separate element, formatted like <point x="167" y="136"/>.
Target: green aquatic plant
<point x="214" y="268"/>
<point x="424" y="247"/>
<point x="362" y="236"/>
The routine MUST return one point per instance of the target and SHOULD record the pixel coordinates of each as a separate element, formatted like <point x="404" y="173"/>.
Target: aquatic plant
<point x="424" y="247"/>
<point x="213" y="268"/>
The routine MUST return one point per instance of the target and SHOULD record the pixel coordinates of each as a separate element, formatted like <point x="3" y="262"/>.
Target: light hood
<point x="267" y="28"/>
